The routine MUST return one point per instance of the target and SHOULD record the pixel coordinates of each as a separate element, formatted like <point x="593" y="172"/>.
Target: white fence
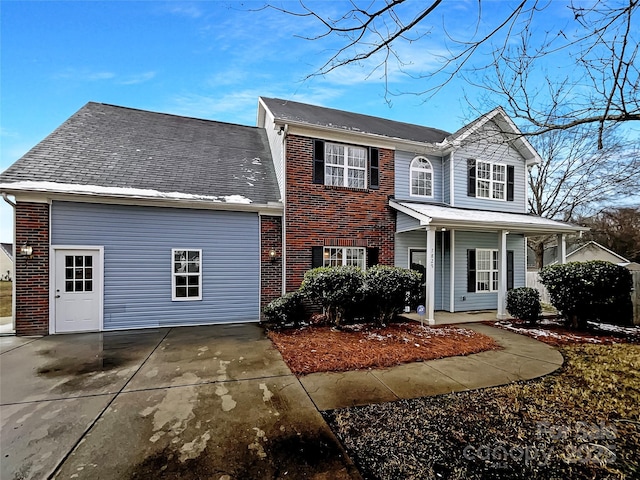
<point x="533" y="281"/>
<point x="635" y="297"/>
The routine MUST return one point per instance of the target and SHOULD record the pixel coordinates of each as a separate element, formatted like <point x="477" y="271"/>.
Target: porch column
<point x="430" y="275"/>
<point x="562" y="248"/>
<point x="452" y="269"/>
<point x="502" y="274"/>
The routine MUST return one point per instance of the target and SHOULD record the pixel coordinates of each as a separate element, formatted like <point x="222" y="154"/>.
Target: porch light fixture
<point x="26" y="250"/>
<point x="272" y="254"/>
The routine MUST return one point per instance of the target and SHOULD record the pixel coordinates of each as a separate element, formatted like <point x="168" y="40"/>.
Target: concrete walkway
<point x="205" y="402"/>
<point x="522" y="358"/>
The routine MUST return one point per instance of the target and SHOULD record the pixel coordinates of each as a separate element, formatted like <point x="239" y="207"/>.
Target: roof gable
<point x="596" y="246"/>
<point x="506" y="126"/>
<point x="122" y="148"/>
<point x="287" y="111"/>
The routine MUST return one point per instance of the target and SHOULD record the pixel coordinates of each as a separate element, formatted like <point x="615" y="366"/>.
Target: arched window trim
<point x="415" y="168"/>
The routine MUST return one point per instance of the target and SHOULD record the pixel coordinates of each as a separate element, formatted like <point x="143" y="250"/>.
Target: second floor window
<point x="421" y="177"/>
<point x="494" y="181"/>
<point x="351" y="166"/>
<point x="491" y="180"/>
<point x="345" y="166"/>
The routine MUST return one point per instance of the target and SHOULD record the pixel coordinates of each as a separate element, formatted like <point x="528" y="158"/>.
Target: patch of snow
<point x="615" y="328"/>
<point x="55" y="187"/>
<point x="256" y="161"/>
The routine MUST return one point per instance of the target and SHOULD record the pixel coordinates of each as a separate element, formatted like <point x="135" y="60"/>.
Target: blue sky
<point x="207" y="59"/>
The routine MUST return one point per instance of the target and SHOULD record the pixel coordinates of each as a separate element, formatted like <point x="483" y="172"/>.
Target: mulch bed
<point x="325" y="349"/>
<point x="552" y="331"/>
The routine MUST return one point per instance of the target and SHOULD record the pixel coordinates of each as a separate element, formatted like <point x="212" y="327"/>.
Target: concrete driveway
<point x="213" y="402"/>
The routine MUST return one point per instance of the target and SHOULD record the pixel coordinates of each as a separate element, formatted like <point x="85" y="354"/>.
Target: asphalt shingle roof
<point x="286" y="110"/>
<point x="111" y="146"/>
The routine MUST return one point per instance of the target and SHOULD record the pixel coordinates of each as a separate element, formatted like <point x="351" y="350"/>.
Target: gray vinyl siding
<point x="487" y="147"/>
<point x="137" y="245"/>
<point x="418" y="240"/>
<point x="402" y="181"/>
<point x="446" y="179"/>
<point x="472" y="240"/>
<point x="406" y="222"/>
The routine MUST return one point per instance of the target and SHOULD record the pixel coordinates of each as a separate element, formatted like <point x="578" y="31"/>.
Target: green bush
<point x="285" y="311"/>
<point x="595" y="290"/>
<point x="337" y="289"/>
<point x="524" y="303"/>
<point x="386" y="289"/>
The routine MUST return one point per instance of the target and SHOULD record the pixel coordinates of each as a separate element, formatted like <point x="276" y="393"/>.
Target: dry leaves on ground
<point x="325" y="349"/>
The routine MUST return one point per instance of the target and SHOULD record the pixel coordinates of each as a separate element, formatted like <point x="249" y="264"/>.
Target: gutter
<point x="384" y="140"/>
<point x="273" y="208"/>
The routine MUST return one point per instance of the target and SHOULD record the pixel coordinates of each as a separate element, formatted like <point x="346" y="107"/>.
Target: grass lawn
<point x="6" y="298"/>
<point x="582" y="422"/>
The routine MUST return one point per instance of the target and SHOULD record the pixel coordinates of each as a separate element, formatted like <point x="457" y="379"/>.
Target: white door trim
<point x="52" y="281"/>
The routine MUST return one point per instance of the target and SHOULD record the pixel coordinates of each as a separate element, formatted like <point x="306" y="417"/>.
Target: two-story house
<point x="360" y="190"/>
<point x="132" y="219"/>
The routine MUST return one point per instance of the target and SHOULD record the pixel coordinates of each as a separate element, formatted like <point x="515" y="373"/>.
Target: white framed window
<point x="345" y="165"/>
<point x="486" y="270"/>
<point x="186" y="276"/>
<point x="344" y="256"/>
<point x="491" y="180"/>
<point x="421" y="177"/>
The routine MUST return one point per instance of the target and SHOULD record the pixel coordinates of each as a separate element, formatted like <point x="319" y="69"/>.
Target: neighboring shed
<point x="6" y="261"/>
<point x="594" y="251"/>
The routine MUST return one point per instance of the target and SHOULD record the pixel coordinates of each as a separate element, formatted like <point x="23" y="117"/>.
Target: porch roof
<point x="466" y="219"/>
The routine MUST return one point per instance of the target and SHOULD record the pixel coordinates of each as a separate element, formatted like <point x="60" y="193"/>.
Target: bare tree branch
<point x="600" y="41"/>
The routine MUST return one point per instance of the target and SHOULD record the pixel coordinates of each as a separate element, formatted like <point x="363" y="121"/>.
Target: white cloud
<point x="183" y="9"/>
<point x="137" y="78"/>
<point x="235" y="107"/>
<point x="84" y="75"/>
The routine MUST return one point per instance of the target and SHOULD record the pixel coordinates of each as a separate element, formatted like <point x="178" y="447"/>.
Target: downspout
<point x="13" y="265"/>
<point x="6" y="199"/>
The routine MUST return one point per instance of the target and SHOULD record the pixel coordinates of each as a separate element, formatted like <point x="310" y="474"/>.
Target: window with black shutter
<point x="372" y="256"/>
<point x="317" y="259"/>
<point x="471" y="270"/>
<point x="471" y="176"/>
<point x="318" y="161"/>
<point x="374" y="168"/>
<point x="510" y="182"/>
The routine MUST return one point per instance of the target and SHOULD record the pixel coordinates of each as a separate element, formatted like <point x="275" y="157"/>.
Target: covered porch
<point x="472" y="257"/>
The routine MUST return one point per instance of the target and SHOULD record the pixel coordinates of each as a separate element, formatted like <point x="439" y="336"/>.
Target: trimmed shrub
<point x="337" y="289"/>
<point x="595" y="290"/>
<point x="286" y="311"/>
<point x="524" y="303"/>
<point x="386" y="289"/>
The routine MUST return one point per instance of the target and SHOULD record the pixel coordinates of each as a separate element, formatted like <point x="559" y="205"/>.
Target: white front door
<point x="78" y="290"/>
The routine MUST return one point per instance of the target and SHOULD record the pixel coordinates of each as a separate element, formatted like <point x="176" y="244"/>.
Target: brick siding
<point x="315" y="213"/>
<point x="32" y="274"/>
<point x="271" y="270"/>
